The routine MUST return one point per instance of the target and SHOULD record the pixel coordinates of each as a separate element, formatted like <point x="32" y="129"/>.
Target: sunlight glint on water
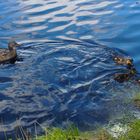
<point x="64" y="73"/>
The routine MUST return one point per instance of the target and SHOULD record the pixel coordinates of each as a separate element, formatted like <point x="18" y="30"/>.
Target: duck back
<point x="7" y="55"/>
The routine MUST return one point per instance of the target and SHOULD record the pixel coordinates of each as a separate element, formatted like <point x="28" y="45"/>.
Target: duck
<point x="122" y="77"/>
<point x="124" y="61"/>
<point x="9" y="54"/>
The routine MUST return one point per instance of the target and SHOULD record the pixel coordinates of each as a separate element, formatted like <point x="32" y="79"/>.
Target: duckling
<point x="132" y="71"/>
<point x="10" y="54"/>
<point x="122" y="77"/>
<point x="124" y="61"/>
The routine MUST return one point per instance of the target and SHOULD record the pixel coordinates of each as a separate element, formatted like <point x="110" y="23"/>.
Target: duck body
<point x="9" y="54"/>
<point x="122" y="77"/>
<point x="124" y="61"/>
<point x="131" y="73"/>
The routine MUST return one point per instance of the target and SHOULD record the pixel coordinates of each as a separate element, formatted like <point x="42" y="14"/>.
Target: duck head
<point x="12" y="45"/>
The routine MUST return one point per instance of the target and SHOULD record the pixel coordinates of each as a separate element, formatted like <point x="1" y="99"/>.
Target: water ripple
<point x="60" y="68"/>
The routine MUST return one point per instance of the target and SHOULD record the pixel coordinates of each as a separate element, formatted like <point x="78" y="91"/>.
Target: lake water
<point x="65" y="68"/>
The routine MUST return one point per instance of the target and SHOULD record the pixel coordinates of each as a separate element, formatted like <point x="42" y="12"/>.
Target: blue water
<point x="65" y="68"/>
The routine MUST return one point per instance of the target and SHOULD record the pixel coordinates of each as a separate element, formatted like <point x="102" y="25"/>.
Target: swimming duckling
<point x="124" y="61"/>
<point x="132" y="71"/>
<point x="122" y="77"/>
<point x="10" y="54"/>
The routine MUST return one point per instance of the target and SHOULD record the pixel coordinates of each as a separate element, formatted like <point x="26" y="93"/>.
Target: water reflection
<point x="64" y="74"/>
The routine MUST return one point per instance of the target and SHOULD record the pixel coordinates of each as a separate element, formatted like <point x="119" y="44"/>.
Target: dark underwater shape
<point x="5" y="79"/>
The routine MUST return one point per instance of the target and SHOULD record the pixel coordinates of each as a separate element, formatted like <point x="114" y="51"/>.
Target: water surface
<point x="65" y="69"/>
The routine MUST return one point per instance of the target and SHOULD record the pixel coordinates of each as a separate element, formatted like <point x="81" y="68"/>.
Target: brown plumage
<point x="9" y="54"/>
<point x="123" y="61"/>
<point x="122" y="77"/>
